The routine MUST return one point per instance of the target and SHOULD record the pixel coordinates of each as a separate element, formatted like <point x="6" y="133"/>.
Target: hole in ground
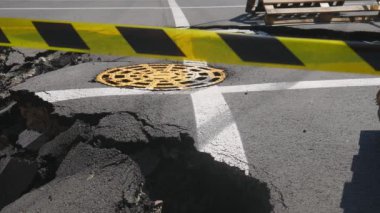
<point x="189" y="181"/>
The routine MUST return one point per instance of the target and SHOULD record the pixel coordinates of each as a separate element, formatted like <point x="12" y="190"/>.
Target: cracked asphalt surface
<point x="308" y="150"/>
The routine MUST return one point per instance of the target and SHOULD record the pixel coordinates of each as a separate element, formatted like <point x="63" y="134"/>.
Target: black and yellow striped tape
<point x="188" y="44"/>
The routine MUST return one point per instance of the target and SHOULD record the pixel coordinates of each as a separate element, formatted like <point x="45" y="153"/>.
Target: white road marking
<point x="217" y="131"/>
<point x="180" y="19"/>
<point x="119" y="8"/>
<point x="357" y="82"/>
<point x="70" y="94"/>
<point x="195" y="63"/>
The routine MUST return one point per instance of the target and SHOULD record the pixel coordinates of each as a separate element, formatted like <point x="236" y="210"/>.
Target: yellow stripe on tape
<point x="188" y="44"/>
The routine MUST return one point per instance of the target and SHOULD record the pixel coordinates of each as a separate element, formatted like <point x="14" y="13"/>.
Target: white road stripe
<point x="70" y="94"/>
<point x="179" y="17"/>
<point x="357" y="82"/>
<point x="195" y="63"/>
<point x="119" y="8"/>
<point x="217" y="131"/>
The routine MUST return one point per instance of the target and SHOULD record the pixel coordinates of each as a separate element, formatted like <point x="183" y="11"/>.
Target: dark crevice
<point x="39" y="55"/>
<point x="91" y="119"/>
<point x="189" y="181"/>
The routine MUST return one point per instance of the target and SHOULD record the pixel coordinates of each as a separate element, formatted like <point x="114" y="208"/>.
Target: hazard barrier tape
<point x="189" y="44"/>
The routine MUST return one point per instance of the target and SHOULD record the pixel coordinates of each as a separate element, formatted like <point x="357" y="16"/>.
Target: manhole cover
<point x="161" y="76"/>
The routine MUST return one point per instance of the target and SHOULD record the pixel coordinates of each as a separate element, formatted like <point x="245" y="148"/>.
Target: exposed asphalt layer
<point x="121" y="162"/>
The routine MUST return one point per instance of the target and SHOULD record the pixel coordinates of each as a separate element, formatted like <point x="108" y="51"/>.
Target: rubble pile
<point x="17" y="65"/>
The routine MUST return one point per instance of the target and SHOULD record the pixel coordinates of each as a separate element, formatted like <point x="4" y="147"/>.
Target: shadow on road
<point x="362" y="194"/>
<point x="249" y="19"/>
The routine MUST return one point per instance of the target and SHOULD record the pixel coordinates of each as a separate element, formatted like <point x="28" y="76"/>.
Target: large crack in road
<point x="112" y="162"/>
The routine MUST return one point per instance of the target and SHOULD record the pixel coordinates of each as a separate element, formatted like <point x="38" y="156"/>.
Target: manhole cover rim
<point x="161" y="77"/>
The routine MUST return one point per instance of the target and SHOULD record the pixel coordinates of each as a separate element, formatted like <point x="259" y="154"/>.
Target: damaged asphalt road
<point x="112" y="161"/>
<point x="69" y="136"/>
<point x="120" y="162"/>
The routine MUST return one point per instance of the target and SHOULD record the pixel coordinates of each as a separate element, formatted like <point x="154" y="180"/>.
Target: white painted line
<point x="195" y="63"/>
<point x="179" y="17"/>
<point x="120" y="8"/>
<point x="217" y="132"/>
<point x="358" y="82"/>
<point x="72" y="94"/>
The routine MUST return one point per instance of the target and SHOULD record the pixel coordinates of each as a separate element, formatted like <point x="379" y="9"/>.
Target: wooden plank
<point x="298" y="1"/>
<point x="324" y="4"/>
<point x="337" y="9"/>
<point x="273" y="20"/>
<point x="269" y="7"/>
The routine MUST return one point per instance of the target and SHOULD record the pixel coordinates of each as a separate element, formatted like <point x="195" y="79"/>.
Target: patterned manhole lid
<point x="161" y="76"/>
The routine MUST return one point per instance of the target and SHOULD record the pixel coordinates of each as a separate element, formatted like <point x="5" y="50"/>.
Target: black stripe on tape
<point x="369" y="52"/>
<point x="150" y="41"/>
<point x="3" y="38"/>
<point x="260" y="49"/>
<point x="60" y="35"/>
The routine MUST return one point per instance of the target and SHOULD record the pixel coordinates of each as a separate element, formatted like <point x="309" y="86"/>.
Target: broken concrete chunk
<point x="114" y="185"/>
<point x="15" y="58"/>
<point x="27" y="137"/>
<point x="16" y="176"/>
<point x="121" y="127"/>
<point x="61" y="144"/>
<point x="84" y="156"/>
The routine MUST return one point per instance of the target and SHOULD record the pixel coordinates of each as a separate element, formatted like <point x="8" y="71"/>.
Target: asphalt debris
<point x="17" y="65"/>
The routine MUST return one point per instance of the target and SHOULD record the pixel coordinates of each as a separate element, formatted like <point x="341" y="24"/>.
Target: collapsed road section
<point x="115" y="163"/>
<point x="119" y="161"/>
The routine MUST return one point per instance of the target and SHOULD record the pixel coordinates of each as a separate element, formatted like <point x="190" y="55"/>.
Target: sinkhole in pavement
<point x="163" y="77"/>
<point x="140" y="166"/>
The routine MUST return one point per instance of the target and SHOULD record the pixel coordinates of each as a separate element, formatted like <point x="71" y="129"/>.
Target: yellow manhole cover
<point x="161" y="76"/>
